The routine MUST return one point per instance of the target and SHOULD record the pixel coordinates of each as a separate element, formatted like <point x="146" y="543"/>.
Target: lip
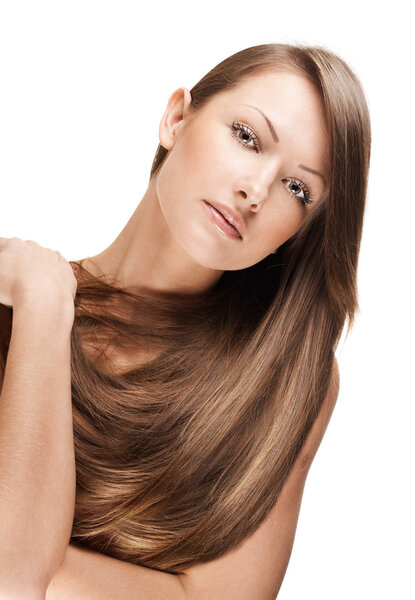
<point x="230" y="215"/>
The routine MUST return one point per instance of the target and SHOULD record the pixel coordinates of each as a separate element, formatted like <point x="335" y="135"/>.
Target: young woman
<point x="196" y="353"/>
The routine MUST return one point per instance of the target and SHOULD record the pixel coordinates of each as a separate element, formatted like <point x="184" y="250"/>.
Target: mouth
<point x="225" y="219"/>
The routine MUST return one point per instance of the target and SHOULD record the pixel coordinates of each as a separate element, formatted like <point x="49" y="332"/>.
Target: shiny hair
<point x="181" y="458"/>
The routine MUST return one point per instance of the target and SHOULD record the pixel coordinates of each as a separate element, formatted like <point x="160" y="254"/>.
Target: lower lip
<point x="220" y="222"/>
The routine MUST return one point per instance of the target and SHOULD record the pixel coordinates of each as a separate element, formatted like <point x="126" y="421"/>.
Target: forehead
<point x="276" y="89"/>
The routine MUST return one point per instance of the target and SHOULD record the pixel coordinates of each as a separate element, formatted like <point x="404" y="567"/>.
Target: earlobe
<point x="174" y="116"/>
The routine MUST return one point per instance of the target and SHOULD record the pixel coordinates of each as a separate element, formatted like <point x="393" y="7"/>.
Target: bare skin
<point x="170" y="243"/>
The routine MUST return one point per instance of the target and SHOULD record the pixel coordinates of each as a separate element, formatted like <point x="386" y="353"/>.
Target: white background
<point x="83" y="88"/>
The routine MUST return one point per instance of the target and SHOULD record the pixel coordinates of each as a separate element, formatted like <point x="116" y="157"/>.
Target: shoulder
<point x="330" y="400"/>
<point x="320" y="424"/>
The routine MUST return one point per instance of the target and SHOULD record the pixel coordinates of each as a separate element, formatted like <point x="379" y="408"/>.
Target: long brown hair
<point x="181" y="458"/>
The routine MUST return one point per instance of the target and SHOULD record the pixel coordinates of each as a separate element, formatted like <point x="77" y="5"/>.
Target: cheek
<point x="211" y="163"/>
<point x="191" y="166"/>
<point x="177" y="174"/>
<point x="282" y="224"/>
<point x="213" y="154"/>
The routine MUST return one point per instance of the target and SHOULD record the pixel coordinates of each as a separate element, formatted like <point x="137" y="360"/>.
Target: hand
<point x="28" y="269"/>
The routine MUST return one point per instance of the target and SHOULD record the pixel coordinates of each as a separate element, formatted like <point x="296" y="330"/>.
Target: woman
<point x="202" y="339"/>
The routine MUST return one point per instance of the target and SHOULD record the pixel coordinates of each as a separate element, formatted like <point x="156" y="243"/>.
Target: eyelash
<point x="237" y="126"/>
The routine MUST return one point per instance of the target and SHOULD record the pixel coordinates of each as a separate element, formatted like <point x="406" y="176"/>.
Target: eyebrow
<point x="276" y="139"/>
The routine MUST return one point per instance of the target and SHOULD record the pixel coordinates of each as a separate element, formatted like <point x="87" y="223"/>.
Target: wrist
<point x="51" y="305"/>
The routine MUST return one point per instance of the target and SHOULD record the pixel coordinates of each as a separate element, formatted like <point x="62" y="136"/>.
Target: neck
<point x="146" y="258"/>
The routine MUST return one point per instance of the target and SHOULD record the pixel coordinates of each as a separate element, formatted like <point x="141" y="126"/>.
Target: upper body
<point x="252" y="163"/>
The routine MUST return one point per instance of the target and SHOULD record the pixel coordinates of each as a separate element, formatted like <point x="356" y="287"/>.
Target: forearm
<point x="37" y="464"/>
<point x="88" y="575"/>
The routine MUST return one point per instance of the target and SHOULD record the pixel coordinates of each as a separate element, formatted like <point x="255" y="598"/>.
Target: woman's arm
<point x="37" y="463"/>
<point x="88" y="575"/>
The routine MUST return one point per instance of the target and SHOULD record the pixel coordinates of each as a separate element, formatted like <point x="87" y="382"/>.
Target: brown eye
<point x="245" y="135"/>
<point x="296" y="188"/>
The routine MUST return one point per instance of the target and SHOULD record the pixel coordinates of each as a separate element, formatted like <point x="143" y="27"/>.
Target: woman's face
<point x="255" y="149"/>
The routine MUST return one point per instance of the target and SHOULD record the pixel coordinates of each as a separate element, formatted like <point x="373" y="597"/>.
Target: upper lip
<point x="231" y="216"/>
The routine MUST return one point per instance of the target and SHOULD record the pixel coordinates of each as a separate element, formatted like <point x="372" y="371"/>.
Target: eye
<point x="301" y="187"/>
<point x="242" y="133"/>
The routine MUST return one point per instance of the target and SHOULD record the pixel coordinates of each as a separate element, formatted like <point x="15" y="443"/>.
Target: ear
<point x="174" y="117"/>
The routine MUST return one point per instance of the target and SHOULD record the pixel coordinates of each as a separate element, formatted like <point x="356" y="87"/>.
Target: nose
<point x="256" y="188"/>
<point x="254" y="197"/>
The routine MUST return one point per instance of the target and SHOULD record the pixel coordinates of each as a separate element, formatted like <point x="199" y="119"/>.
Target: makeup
<point x="221" y="223"/>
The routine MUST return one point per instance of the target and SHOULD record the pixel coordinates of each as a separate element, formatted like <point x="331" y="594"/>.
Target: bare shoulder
<point x="319" y="427"/>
